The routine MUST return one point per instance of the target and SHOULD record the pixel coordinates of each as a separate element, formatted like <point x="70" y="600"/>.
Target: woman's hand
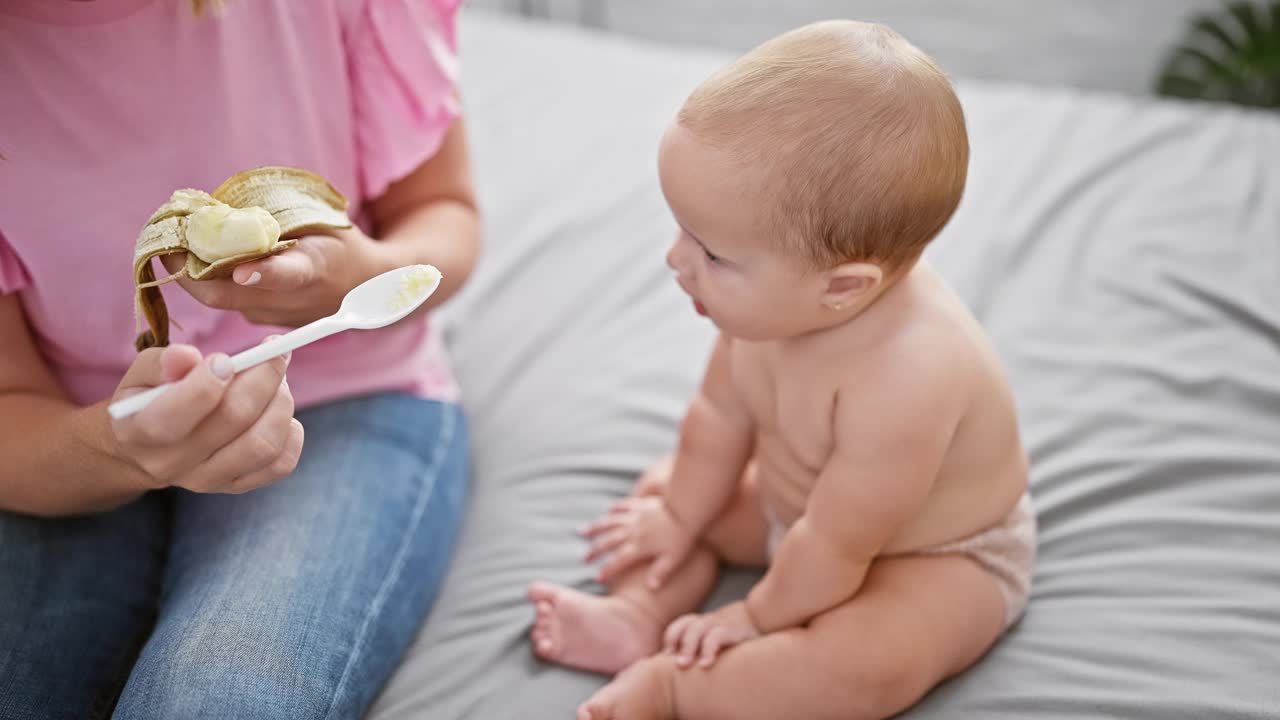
<point x="210" y="432"/>
<point x="428" y="216"/>
<point x="300" y="285"/>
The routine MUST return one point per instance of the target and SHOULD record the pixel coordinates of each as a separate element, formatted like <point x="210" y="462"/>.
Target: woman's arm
<point x="211" y="432"/>
<point x="430" y="216"/>
<point x="55" y="458"/>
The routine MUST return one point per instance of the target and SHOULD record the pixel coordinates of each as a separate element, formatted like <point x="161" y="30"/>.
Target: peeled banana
<point x="244" y="219"/>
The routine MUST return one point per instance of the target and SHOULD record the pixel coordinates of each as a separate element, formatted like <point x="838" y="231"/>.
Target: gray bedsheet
<point x="1125" y="255"/>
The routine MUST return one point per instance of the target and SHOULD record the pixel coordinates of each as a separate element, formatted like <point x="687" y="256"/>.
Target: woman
<point x="198" y="558"/>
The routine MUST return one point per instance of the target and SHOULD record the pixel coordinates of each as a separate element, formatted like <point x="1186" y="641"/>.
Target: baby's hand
<point x="655" y="480"/>
<point x="704" y="636"/>
<point x="637" y="529"/>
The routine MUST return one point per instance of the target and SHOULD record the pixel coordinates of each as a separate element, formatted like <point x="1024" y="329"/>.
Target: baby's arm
<point x="715" y="445"/>
<point x="890" y="439"/>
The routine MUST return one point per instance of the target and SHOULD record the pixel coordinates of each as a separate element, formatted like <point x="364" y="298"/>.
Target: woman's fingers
<point x="198" y="390"/>
<point x="253" y="450"/>
<point x="244" y="402"/>
<point x="283" y="464"/>
<point x="290" y="270"/>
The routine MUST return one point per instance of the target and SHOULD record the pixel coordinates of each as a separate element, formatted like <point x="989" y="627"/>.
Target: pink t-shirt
<point x="107" y="106"/>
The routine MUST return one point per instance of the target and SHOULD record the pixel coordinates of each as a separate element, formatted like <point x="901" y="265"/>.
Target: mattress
<point x="1123" y="253"/>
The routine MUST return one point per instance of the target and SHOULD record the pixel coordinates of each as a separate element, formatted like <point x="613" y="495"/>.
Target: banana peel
<point x="254" y="214"/>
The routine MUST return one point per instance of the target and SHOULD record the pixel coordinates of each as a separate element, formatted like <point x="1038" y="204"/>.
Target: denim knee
<point x="227" y="669"/>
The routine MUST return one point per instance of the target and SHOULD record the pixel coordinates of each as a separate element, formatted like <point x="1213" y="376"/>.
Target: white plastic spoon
<point x="374" y="303"/>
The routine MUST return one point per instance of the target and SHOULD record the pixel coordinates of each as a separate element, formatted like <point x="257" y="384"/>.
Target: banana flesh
<point x="253" y="214"/>
<point x="218" y="232"/>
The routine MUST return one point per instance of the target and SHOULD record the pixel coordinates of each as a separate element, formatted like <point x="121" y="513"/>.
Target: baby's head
<point x="809" y="175"/>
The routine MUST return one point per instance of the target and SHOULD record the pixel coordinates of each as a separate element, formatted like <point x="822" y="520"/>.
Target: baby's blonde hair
<point x="859" y="132"/>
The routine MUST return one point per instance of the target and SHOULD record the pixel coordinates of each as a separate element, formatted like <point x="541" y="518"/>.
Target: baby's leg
<point x="916" y="621"/>
<point x="606" y="634"/>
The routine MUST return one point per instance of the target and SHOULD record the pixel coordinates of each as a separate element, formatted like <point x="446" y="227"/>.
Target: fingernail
<point x="221" y="366"/>
<point x="285" y="381"/>
<point x="252" y="279"/>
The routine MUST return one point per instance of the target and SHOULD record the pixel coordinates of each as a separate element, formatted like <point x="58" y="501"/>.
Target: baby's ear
<point x="849" y="282"/>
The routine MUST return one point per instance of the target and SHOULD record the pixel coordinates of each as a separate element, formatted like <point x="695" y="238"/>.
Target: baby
<point x="854" y="432"/>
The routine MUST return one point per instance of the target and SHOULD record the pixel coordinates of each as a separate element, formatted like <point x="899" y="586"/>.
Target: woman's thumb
<point x="178" y="360"/>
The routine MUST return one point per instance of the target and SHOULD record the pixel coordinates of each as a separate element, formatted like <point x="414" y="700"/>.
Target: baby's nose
<point x="674" y="257"/>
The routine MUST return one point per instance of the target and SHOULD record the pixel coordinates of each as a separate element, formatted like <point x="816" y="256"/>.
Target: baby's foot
<point x="589" y="632"/>
<point x="643" y="692"/>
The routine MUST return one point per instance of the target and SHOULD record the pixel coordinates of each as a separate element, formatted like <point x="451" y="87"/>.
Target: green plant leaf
<point x="1233" y="55"/>
<point x="1180" y="86"/>
<point x="1246" y="14"/>
<point x="1208" y="62"/>
<point x="1208" y="26"/>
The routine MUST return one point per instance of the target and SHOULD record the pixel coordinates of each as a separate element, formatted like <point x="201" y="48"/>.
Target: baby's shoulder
<point x="926" y="343"/>
<point x="923" y="361"/>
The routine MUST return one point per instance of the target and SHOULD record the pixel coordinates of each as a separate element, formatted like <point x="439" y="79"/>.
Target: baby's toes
<point x="595" y="709"/>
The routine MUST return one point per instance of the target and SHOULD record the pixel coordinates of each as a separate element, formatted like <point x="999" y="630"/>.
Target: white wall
<point x="1114" y="45"/>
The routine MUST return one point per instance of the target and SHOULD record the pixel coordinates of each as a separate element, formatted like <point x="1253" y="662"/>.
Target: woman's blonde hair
<point x="199" y="6"/>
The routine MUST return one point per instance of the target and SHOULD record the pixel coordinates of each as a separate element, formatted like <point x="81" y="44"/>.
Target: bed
<point x="1124" y="253"/>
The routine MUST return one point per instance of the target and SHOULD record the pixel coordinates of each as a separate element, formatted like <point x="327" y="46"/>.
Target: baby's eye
<point x="711" y="256"/>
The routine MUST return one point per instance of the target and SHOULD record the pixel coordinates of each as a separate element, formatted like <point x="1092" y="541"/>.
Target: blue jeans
<point x="292" y="601"/>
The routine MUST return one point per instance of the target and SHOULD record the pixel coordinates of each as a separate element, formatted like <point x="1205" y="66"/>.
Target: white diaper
<point x="1007" y="551"/>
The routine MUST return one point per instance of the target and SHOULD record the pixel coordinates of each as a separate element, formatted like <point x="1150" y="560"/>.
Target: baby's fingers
<point x="607" y="544"/>
<point x="600" y="525"/>
<point x="690" y="642"/>
<point x="711" y="645"/>
<point x="626" y="504"/>
<point x="661" y="570"/>
<point x="675" y="631"/>
<point x="627" y="556"/>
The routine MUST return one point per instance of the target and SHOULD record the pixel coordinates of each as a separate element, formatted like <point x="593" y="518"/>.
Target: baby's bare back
<point x="791" y="390"/>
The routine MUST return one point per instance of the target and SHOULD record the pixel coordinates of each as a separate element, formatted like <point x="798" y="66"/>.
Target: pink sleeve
<point x="13" y="275"/>
<point x="404" y="63"/>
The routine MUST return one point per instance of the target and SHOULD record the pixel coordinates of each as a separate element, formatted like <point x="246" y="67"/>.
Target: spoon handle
<point x="288" y="342"/>
<point x="257" y="355"/>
